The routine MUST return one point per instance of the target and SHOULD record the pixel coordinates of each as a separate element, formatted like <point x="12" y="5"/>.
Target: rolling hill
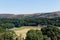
<point x="35" y="15"/>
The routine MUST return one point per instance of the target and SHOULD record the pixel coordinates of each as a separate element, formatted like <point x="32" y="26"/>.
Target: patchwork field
<point x="23" y="30"/>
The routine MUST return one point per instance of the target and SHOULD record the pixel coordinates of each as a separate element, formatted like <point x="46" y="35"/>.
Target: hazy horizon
<point x="29" y="13"/>
<point x="28" y="6"/>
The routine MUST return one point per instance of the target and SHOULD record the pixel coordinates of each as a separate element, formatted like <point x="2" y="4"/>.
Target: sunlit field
<point x="23" y="30"/>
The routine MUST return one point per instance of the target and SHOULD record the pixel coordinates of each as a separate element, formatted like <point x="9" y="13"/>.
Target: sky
<point x="28" y="6"/>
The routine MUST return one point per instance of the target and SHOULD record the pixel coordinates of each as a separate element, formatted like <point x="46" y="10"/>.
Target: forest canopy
<point x="17" y="22"/>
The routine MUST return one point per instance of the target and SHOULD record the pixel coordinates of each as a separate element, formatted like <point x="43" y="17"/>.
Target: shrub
<point x="34" y="35"/>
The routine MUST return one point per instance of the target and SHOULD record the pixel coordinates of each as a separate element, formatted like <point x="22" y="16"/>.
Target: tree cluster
<point x="46" y="33"/>
<point x="14" y="22"/>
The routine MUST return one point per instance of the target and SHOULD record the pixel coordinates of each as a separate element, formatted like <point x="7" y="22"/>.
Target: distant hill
<point x="36" y="15"/>
<point x="6" y="15"/>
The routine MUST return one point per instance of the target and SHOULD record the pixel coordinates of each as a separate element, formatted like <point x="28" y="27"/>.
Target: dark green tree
<point x="51" y="32"/>
<point x="34" y="35"/>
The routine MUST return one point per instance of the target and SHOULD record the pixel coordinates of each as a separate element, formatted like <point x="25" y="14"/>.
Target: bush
<point x="51" y="32"/>
<point x="34" y="35"/>
<point x="8" y="25"/>
<point x="7" y="35"/>
<point x="45" y="37"/>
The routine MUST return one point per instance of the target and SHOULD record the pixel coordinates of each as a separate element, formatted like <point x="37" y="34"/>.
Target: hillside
<point x="36" y="15"/>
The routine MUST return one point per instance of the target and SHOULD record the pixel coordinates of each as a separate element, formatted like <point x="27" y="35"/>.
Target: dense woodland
<point x="46" y="33"/>
<point x="15" y="22"/>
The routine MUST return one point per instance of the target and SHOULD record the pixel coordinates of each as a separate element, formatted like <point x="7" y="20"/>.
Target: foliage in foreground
<point x="46" y="33"/>
<point x="34" y="35"/>
<point x="52" y="32"/>
<point x="7" y="35"/>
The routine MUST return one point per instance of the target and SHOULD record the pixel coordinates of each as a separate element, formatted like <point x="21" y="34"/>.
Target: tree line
<point x="17" y="22"/>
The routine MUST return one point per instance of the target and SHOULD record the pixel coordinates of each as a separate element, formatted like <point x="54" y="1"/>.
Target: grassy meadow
<point x="23" y="30"/>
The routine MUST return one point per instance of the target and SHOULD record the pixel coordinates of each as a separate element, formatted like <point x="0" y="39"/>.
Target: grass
<point x="23" y="30"/>
<point x="58" y="27"/>
<point x="26" y="27"/>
